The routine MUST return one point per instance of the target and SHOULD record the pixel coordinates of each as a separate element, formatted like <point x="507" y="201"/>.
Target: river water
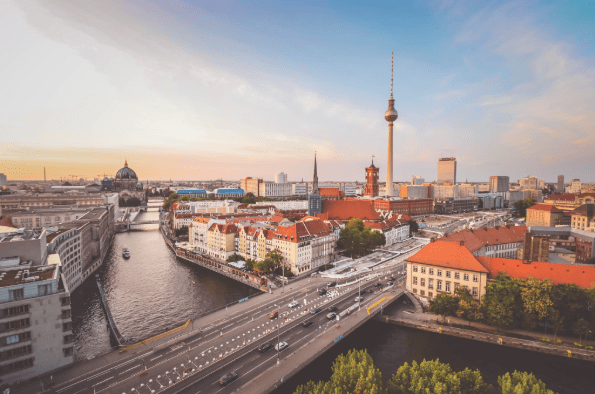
<point x="154" y="291"/>
<point x="147" y="294"/>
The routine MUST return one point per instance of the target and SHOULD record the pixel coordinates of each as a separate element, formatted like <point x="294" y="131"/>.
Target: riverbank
<point x="519" y="339"/>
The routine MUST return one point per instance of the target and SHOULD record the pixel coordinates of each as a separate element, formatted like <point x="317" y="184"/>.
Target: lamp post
<point x="278" y="344"/>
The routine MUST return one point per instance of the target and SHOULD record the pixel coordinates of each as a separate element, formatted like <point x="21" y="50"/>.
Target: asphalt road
<point x="196" y="364"/>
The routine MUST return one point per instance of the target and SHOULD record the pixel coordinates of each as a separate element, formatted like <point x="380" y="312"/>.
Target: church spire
<point x="315" y="178"/>
<point x="126" y="163"/>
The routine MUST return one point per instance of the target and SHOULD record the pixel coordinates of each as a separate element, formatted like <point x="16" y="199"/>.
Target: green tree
<point x="581" y="328"/>
<point x="357" y="239"/>
<point x="311" y="388"/>
<point x="413" y="227"/>
<point x="556" y="323"/>
<point x="571" y="302"/>
<point x="444" y="304"/>
<point x="250" y="264"/>
<point x="536" y="298"/>
<point x="182" y="231"/>
<point x="434" y="377"/>
<point x="521" y="383"/>
<point x="502" y="302"/>
<point x="522" y="205"/>
<point x="234" y="257"/>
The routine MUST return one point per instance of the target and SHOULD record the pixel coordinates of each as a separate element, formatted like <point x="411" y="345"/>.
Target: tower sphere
<point x="391" y="114"/>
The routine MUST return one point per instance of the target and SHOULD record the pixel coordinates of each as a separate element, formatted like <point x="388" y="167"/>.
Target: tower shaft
<point x="389" y="162"/>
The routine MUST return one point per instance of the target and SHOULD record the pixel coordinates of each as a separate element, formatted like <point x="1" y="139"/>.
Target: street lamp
<point x="278" y="343"/>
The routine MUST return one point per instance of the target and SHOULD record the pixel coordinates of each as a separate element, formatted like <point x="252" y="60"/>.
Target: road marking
<point x="97" y="384"/>
<point x="136" y="366"/>
<point x="156" y="358"/>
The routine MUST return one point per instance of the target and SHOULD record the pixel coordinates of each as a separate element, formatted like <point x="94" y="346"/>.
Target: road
<point x="227" y="345"/>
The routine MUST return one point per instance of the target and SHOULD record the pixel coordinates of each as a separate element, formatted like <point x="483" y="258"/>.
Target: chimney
<point x="431" y="240"/>
<point x="497" y="227"/>
<point x="526" y="261"/>
<point x="485" y="228"/>
<point x="471" y="230"/>
<point x="462" y="243"/>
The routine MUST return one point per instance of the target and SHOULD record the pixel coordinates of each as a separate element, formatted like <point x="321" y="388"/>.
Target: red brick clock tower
<point x="371" y="181"/>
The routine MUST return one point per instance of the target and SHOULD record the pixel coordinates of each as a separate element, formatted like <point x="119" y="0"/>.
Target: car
<point x="378" y="284"/>
<point x="293" y="304"/>
<point x="314" y="273"/>
<point x="263" y="347"/>
<point x="314" y="310"/>
<point x="392" y="278"/>
<point x="390" y="283"/>
<point x="228" y="378"/>
<point x="371" y="290"/>
<point x="331" y="315"/>
<point x="281" y="346"/>
<point x="307" y="323"/>
<point x="359" y="299"/>
<point x="322" y="292"/>
<point x="332" y="308"/>
<point x="274" y="314"/>
<point x="331" y="284"/>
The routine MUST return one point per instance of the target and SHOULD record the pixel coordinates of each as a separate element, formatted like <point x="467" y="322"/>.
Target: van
<point x="274" y="314"/>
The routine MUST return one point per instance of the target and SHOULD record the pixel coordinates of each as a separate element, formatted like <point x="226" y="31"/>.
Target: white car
<point x="293" y="304"/>
<point x="281" y="346"/>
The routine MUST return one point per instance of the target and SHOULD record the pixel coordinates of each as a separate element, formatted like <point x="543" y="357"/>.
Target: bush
<point x="578" y="344"/>
<point x="589" y="347"/>
<point x="545" y="340"/>
<point x="558" y="341"/>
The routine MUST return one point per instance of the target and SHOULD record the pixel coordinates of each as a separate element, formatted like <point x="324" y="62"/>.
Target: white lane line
<point x="156" y="358"/>
<point x="97" y="384"/>
<point x="227" y="326"/>
<point x="136" y="366"/>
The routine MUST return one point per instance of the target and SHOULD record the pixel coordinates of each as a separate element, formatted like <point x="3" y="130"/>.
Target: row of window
<point x="17" y="365"/>
<point x="13" y="311"/>
<point x="5" y="341"/>
<point x="447" y="273"/>
<point x="14" y="325"/>
<point x="16" y="352"/>
<point x="474" y="290"/>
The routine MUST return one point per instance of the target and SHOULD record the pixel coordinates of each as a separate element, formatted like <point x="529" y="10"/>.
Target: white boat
<point x="125" y="253"/>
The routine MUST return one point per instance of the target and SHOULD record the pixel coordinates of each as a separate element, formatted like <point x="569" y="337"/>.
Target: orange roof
<point x="581" y="276"/>
<point x="583" y="210"/>
<point x="224" y="228"/>
<point x="6" y="222"/>
<point x="313" y="228"/>
<point x="475" y="239"/>
<point x="447" y="255"/>
<point x="349" y="209"/>
<point x="545" y="207"/>
<point x="201" y="219"/>
<point x="330" y="191"/>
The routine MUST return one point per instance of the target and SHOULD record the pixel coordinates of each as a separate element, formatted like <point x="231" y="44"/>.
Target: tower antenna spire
<point x="392" y="59"/>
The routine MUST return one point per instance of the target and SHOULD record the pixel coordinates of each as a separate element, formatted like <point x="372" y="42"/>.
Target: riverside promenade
<point x="407" y="317"/>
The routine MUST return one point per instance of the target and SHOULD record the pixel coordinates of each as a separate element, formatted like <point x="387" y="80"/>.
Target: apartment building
<point x="582" y="217"/>
<point x="251" y="185"/>
<point x="67" y="244"/>
<point x="544" y="215"/>
<point x="274" y="190"/>
<point x="39" y="200"/>
<point x="447" y="170"/>
<point x="576" y="186"/>
<point x="35" y="318"/>
<point x="394" y="230"/>
<point x="286" y="205"/>
<point x="499" y="241"/>
<point x="221" y="240"/>
<point x="299" y="189"/>
<point x="48" y="217"/>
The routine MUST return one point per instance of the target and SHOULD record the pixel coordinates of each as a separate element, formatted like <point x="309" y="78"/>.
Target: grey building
<point x="35" y="318"/>
<point x="560" y="184"/>
<point x="2" y="180"/>
<point x="447" y="170"/>
<point x="499" y="184"/>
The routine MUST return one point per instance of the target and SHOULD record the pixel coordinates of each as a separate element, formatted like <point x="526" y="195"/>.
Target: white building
<point x="575" y="186"/>
<point x="442" y="192"/>
<point x="2" y="180"/>
<point x="67" y="245"/>
<point x="299" y="189"/>
<point x="467" y="190"/>
<point x="413" y="191"/>
<point x="417" y="180"/>
<point x="272" y="189"/>
<point x="281" y="177"/>
<point x="285" y="205"/>
<point x="394" y="230"/>
<point x="198" y="232"/>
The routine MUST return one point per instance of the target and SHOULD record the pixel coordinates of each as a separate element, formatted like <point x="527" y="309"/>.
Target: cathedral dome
<point x="126" y="173"/>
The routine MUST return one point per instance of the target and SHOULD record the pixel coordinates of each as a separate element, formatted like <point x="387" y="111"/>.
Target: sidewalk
<point x="80" y="369"/>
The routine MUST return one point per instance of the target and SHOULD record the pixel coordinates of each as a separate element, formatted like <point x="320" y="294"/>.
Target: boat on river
<point x="125" y="253"/>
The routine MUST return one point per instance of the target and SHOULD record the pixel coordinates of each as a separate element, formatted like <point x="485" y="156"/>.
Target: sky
<point x="198" y="90"/>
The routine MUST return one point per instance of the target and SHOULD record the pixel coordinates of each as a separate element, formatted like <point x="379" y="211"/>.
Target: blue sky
<point x="228" y="89"/>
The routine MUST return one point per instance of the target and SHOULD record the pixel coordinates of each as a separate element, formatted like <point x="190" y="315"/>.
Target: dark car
<point x="264" y="347"/>
<point x="322" y="292"/>
<point x="331" y="284"/>
<point x="331" y="315"/>
<point x="314" y="310"/>
<point x="392" y="278"/>
<point x="332" y="308"/>
<point x="371" y="290"/>
<point x="390" y="283"/>
<point x="228" y="378"/>
<point x="307" y="323"/>
<point x="378" y="284"/>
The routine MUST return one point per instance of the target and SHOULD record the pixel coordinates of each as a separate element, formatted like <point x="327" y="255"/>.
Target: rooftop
<point x="15" y="276"/>
<point x="22" y="235"/>
<point x="545" y="207"/>
<point x="349" y="209"/>
<point x="447" y="255"/>
<point x="476" y="239"/>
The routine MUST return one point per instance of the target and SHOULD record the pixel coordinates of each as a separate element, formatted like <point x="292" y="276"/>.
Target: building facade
<point x="582" y="217"/>
<point x="371" y="188"/>
<point x="67" y="244"/>
<point x="544" y="215"/>
<point x="221" y="240"/>
<point x="447" y="170"/>
<point x="560" y="184"/>
<point x="422" y="206"/>
<point x="251" y="185"/>
<point x="48" y="217"/>
<point x="576" y="186"/>
<point x="281" y="177"/>
<point x="275" y="190"/>
<point x="499" y="184"/>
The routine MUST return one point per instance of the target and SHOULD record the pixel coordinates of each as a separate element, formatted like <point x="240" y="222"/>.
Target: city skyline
<point x="506" y="89"/>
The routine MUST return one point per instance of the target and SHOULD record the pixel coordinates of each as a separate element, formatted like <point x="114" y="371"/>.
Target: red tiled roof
<point x="6" y="222"/>
<point x="201" y="219"/>
<point x="315" y="228"/>
<point x="447" y="255"/>
<point x="330" y="191"/>
<point x="224" y="228"/>
<point x="545" y="207"/>
<point x="349" y="209"/>
<point x="582" y="210"/>
<point x="475" y="239"/>
<point x="581" y="276"/>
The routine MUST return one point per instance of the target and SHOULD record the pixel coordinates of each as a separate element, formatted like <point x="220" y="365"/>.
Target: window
<point x="430" y="294"/>
<point x="415" y="291"/>
<point x="466" y="276"/>
<point x="16" y="294"/>
<point x="423" y="270"/>
<point x="447" y="287"/>
<point x="8" y="368"/>
<point x="422" y="282"/>
<point x="415" y="280"/>
<point x="44" y="289"/>
<point x="475" y="278"/>
<point x="439" y="272"/>
<point x="431" y="271"/>
<point x="438" y="285"/>
<point x="457" y="276"/>
<point x="475" y="292"/>
<point x="415" y="268"/>
<point x="67" y="352"/>
<point x="422" y="292"/>
<point x="430" y="283"/>
<point x="448" y="274"/>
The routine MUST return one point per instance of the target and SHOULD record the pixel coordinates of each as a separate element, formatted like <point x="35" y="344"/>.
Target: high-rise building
<point x="251" y="185"/>
<point x="499" y="184"/>
<point x="390" y="115"/>
<point x="530" y="182"/>
<point x="2" y="180"/>
<point x="281" y="177"/>
<point x="417" y="180"/>
<point x="314" y="198"/>
<point x="575" y="186"/>
<point x="371" y="189"/>
<point x="560" y="185"/>
<point x="447" y="170"/>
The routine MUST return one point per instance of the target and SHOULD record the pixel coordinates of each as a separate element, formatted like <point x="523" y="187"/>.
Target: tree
<point x="444" y="304"/>
<point x="556" y="323"/>
<point x="354" y="373"/>
<point x="250" y="264"/>
<point x="522" y="205"/>
<point x="535" y="294"/>
<point x="413" y="227"/>
<point x="357" y="238"/>
<point x="581" y="328"/>
<point x="234" y="257"/>
<point x="434" y="377"/>
<point x="521" y="383"/>
<point x="502" y="302"/>
<point x="182" y="231"/>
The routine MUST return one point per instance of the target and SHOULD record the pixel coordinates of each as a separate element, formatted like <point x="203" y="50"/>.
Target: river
<point x="147" y="294"/>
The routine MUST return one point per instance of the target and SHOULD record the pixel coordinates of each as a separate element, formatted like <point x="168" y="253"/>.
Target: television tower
<point x="390" y="115"/>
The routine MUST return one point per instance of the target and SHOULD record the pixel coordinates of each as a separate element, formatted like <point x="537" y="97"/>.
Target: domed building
<point x="126" y="179"/>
